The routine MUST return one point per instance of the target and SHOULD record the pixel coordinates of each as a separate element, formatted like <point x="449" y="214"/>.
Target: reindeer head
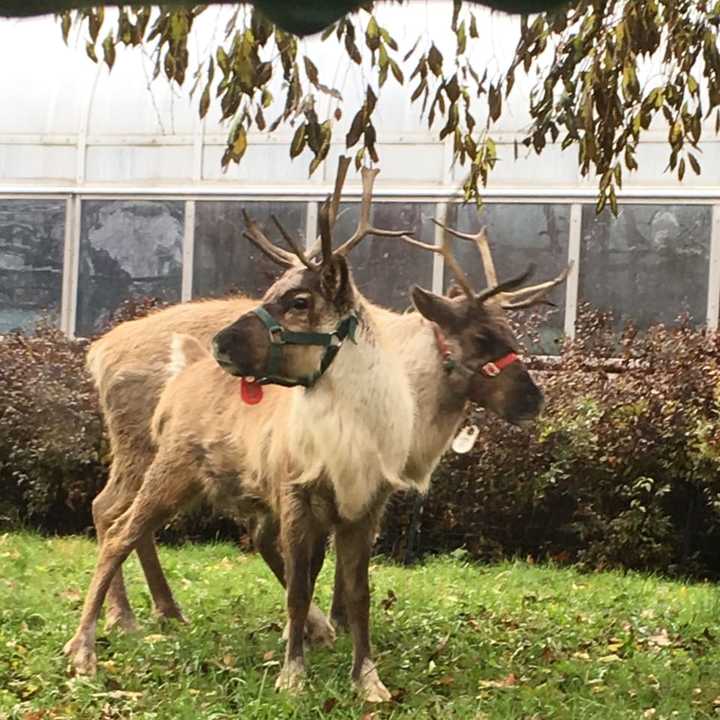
<point x="480" y="352"/>
<point x="304" y="318"/>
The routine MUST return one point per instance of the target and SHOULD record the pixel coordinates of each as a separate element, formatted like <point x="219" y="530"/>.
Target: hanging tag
<point x="465" y="439"/>
<point x="251" y="392"/>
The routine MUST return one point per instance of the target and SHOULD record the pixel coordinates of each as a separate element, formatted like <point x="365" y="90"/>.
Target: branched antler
<point x="364" y="226"/>
<point x="259" y="239"/>
<point x="504" y="293"/>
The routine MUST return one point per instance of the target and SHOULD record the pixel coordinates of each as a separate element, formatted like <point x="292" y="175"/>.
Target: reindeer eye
<point x="300" y="303"/>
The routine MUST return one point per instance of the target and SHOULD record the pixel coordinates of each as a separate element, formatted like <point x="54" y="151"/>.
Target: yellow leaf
<point x="609" y="658"/>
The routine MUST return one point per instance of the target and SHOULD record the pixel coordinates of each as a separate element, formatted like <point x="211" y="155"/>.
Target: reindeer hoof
<point x="292" y="677"/>
<point x="81" y="654"/>
<point x="369" y="685"/>
<point x="172" y="612"/>
<point x="124" y="621"/>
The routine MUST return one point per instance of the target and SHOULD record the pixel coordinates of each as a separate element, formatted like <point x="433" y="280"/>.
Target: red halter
<point x="490" y="369"/>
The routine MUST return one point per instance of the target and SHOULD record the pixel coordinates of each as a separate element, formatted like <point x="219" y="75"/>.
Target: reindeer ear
<point x="335" y="281"/>
<point x="433" y="307"/>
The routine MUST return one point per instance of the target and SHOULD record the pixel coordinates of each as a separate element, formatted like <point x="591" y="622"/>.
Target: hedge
<point x="621" y="470"/>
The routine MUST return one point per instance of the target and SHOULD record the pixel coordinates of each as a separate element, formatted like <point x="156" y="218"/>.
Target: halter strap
<point x="279" y="336"/>
<point x="489" y="369"/>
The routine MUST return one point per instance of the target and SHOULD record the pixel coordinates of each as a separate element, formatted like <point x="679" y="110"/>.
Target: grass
<point x="452" y="640"/>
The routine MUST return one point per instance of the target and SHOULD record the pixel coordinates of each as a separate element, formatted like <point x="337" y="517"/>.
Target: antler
<point x="503" y="293"/>
<point x="364" y="227"/>
<point x="506" y="296"/>
<point x="258" y="238"/>
<point x="292" y="244"/>
<point x="536" y="292"/>
<point x="481" y="241"/>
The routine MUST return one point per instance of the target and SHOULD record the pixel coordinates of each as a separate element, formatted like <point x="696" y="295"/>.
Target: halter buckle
<point x="277" y="335"/>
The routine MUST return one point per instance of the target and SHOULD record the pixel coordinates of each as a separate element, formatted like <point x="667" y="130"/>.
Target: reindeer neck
<point x="354" y="426"/>
<point x="439" y="411"/>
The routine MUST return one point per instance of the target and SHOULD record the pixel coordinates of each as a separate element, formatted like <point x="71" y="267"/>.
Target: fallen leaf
<point x="387" y="602"/>
<point x="329" y="704"/>
<point x="445" y="680"/>
<point x="609" y="658"/>
<point x="661" y="639"/>
<point x="228" y="661"/>
<point x="269" y="655"/>
<point x="440" y="647"/>
<point x="154" y="638"/>
<point x="508" y="681"/>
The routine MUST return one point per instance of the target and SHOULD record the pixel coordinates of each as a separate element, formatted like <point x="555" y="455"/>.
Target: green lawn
<point x="452" y="640"/>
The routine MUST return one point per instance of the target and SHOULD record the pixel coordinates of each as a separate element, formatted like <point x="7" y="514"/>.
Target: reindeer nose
<point x="227" y="347"/>
<point x="221" y="347"/>
<point x="532" y="403"/>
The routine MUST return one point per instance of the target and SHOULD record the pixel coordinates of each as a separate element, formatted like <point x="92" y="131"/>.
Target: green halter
<point x="279" y="336"/>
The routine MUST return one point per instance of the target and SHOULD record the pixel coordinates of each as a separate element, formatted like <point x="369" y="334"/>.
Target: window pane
<point x="518" y="235"/>
<point x="224" y="260"/>
<point x="31" y="260"/>
<point x="385" y="268"/>
<point x="128" y="248"/>
<point x="648" y="265"/>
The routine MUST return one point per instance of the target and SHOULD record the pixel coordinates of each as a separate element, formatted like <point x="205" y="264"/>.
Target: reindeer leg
<point x="106" y="510"/>
<point x="338" y="612"/>
<point x="166" y="606"/>
<point x="318" y="630"/>
<point x="298" y="536"/>
<point x="162" y="494"/>
<point x="353" y="542"/>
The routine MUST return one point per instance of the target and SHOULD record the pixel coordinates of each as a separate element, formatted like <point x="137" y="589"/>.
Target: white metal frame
<point x="576" y="199"/>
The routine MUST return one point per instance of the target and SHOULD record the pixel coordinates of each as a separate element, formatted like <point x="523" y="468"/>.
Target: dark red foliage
<point x="623" y="468"/>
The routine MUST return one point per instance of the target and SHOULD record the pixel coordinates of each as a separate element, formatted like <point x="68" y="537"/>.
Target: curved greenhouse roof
<point x="67" y="122"/>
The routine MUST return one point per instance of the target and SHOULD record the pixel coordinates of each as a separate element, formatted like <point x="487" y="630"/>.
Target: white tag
<point x="465" y="439"/>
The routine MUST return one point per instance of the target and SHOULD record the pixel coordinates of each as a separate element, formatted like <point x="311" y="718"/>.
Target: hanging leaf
<point x="109" y="51"/>
<point x="694" y="164"/>
<point x="356" y="128"/>
<point x="66" y="24"/>
<point x="298" y="142"/>
<point x="494" y="101"/>
<point x="205" y="101"/>
<point x="372" y="34"/>
<point x="311" y="70"/>
<point x="435" y="60"/>
<point x="90" y="50"/>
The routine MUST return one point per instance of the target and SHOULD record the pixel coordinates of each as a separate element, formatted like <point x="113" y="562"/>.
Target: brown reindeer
<point x="456" y="350"/>
<point x="318" y="457"/>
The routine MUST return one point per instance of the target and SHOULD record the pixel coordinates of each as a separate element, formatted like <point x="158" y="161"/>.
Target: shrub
<point x="623" y="468"/>
<point x="51" y="442"/>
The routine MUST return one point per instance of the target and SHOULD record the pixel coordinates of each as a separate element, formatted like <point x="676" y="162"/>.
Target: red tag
<point x="251" y="392"/>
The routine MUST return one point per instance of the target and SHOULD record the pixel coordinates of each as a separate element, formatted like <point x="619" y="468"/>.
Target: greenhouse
<point x="112" y="188"/>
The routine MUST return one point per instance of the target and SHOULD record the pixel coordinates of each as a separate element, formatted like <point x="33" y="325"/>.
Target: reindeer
<point x="447" y="350"/>
<point x="456" y="350"/>
<point x="317" y="456"/>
